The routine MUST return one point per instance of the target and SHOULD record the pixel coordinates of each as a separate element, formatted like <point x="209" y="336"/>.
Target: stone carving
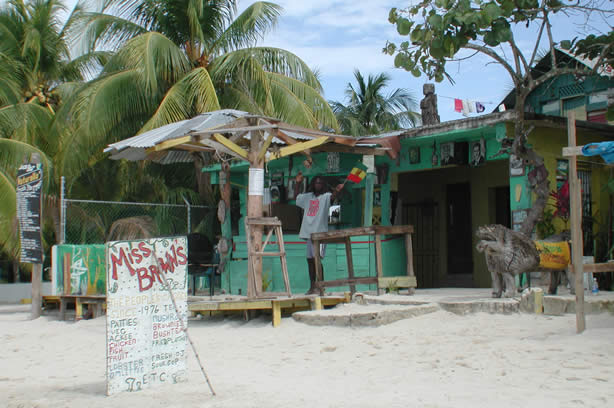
<point x="428" y="105"/>
<point x="508" y="253"/>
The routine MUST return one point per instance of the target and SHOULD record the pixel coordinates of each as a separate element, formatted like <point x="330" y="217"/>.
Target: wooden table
<point x="344" y="236"/>
<point x="94" y="300"/>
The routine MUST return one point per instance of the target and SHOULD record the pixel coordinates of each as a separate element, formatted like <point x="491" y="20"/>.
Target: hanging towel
<point x="603" y="149"/>
<point x="458" y="105"/>
<point x="467" y="108"/>
<point x="479" y="107"/>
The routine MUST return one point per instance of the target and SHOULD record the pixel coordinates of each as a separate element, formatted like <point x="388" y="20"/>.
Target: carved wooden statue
<point x="428" y="105"/>
<point x="508" y="253"/>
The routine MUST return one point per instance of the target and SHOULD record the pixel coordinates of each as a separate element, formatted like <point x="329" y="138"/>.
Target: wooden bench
<point x="94" y="305"/>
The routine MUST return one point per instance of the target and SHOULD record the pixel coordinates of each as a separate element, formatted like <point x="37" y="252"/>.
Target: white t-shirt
<point x="315" y="217"/>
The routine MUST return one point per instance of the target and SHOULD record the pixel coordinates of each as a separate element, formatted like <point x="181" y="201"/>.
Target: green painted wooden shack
<point x="446" y="180"/>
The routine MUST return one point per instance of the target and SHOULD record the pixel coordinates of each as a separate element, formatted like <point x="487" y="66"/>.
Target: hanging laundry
<point x="479" y="107"/>
<point x="458" y="105"/>
<point x="467" y="108"/>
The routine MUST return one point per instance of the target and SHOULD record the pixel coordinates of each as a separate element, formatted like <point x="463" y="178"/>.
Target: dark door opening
<point x="424" y="218"/>
<point x="459" y="234"/>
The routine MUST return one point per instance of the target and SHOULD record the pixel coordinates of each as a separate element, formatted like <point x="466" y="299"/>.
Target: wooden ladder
<point x="274" y="224"/>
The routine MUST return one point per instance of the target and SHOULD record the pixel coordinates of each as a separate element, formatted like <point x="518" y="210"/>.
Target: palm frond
<point x="288" y="89"/>
<point x="26" y="122"/>
<point x="159" y="61"/>
<point x="14" y="153"/>
<point x="249" y="27"/>
<point x="193" y="94"/>
<point x="97" y="30"/>
<point x="270" y="59"/>
<point x="9" y="243"/>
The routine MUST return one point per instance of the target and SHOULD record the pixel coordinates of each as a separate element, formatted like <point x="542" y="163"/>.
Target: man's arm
<point x="337" y="191"/>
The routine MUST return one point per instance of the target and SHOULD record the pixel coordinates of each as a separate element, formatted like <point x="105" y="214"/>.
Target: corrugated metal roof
<point x="134" y="147"/>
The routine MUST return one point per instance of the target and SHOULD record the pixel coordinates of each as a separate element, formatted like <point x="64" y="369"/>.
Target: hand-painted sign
<point x="146" y="343"/>
<point x="78" y="270"/>
<point x="29" y="184"/>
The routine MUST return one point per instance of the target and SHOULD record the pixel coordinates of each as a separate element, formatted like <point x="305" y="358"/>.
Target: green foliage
<point x="545" y="226"/>
<point x="176" y="59"/>
<point x="369" y="111"/>
<point x="439" y="29"/>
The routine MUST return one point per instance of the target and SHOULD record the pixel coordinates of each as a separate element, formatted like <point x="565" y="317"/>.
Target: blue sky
<point x="338" y="36"/>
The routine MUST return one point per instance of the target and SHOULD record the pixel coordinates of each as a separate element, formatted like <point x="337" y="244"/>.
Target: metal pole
<point x="62" y="211"/>
<point x="187" y="203"/>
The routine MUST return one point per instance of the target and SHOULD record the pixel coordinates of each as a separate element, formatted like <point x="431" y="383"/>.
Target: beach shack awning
<point x="229" y="131"/>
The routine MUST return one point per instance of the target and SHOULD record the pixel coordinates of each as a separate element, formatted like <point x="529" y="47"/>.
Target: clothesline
<point x="449" y="97"/>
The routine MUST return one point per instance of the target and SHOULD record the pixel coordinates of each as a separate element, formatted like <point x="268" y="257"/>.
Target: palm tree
<point x="178" y="58"/>
<point x="369" y="111"/>
<point x="36" y="73"/>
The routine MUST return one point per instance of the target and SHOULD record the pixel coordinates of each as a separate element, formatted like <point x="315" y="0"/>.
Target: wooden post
<point x="226" y="225"/>
<point x="37" y="282"/>
<point x="576" y="228"/>
<point x="254" y="210"/>
<point x="368" y="215"/>
<point x="378" y="260"/>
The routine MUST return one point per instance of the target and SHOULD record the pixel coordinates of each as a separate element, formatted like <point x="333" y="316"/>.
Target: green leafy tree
<point x="439" y="30"/>
<point x="369" y="111"/>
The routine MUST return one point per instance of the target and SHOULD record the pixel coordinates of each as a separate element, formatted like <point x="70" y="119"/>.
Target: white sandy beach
<point x="435" y="360"/>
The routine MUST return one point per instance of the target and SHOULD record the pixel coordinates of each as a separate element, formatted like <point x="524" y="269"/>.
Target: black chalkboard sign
<point x="29" y="185"/>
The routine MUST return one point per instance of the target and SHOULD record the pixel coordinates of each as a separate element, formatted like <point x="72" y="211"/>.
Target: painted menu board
<point x="146" y="343"/>
<point x="29" y="186"/>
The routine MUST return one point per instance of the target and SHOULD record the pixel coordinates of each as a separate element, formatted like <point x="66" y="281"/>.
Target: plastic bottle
<point x="595" y="287"/>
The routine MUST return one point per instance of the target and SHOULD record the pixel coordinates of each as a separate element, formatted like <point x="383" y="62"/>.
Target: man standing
<point x="315" y="204"/>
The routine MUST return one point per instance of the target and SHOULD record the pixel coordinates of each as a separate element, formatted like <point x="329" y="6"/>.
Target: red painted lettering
<point x="137" y="257"/>
<point x="143" y="247"/>
<point x="142" y="274"/>
<point x="183" y="259"/>
<point x="120" y="261"/>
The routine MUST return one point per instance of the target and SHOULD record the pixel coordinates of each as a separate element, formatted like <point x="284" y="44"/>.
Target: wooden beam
<point x="596" y="268"/>
<point x="398" y="281"/>
<point x="298" y="147"/>
<point x="208" y="144"/>
<point x="572" y="151"/>
<point x="266" y="144"/>
<point x="231" y="145"/>
<point x="167" y="144"/>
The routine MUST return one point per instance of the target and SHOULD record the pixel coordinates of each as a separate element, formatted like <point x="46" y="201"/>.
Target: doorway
<point x="424" y="218"/>
<point x="459" y="234"/>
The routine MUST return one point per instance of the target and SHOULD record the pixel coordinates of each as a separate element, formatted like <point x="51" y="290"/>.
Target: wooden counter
<point x="344" y="236"/>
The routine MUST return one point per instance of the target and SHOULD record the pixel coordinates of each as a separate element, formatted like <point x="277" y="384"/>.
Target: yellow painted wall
<point x="549" y="143"/>
<point x="421" y="186"/>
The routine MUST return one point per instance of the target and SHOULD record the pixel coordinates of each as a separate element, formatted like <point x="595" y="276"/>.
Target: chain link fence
<point x="96" y="222"/>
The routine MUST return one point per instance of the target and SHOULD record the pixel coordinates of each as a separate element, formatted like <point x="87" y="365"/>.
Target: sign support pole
<point x="575" y="201"/>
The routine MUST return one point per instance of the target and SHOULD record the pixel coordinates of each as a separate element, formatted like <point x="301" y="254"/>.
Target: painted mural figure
<point x="315" y="204"/>
<point x="477" y="153"/>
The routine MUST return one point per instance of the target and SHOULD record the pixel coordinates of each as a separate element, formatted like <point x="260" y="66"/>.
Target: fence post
<point x="187" y="203"/>
<point x="62" y="211"/>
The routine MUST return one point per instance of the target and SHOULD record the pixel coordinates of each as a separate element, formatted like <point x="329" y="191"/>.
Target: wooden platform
<point x="275" y="304"/>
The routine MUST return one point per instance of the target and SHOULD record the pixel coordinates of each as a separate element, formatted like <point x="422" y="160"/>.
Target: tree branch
<point x="487" y="51"/>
